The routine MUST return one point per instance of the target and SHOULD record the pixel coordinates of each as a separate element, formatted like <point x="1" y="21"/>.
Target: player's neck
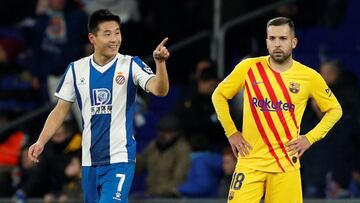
<point x="102" y="60"/>
<point x="281" y="67"/>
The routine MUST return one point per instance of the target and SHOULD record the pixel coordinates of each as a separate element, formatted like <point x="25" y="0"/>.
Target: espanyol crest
<point x="120" y="78"/>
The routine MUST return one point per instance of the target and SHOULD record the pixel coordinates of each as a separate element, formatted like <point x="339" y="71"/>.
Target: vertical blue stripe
<point x="78" y="97"/>
<point x="130" y="109"/>
<point x="63" y="78"/>
<point x="100" y="123"/>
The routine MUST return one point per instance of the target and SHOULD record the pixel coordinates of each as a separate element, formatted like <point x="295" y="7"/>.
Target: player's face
<point x="280" y="42"/>
<point x="107" y="40"/>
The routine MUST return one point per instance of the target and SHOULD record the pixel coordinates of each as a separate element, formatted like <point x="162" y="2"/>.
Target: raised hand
<point x="161" y="53"/>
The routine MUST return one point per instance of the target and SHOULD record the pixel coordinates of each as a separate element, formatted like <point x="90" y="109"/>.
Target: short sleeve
<point x="321" y="93"/>
<point x="141" y="72"/>
<point x="66" y="89"/>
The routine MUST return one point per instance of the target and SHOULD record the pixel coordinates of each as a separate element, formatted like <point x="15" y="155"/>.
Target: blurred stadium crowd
<point x="178" y="136"/>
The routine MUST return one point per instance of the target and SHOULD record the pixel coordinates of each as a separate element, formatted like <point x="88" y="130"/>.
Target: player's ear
<point x="91" y="37"/>
<point x="294" y="42"/>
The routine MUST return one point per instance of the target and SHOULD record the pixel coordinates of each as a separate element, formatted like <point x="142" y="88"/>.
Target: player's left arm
<point x="328" y="104"/>
<point x="159" y="84"/>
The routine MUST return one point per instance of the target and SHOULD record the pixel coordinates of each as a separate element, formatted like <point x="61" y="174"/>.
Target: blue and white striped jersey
<point x="106" y="97"/>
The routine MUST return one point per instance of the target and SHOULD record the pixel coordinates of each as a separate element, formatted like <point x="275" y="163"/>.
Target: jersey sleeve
<point x="322" y="94"/>
<point x="141" y="72"/>
<point x="327" y="103"/>
<point x="226" y="90"/>
<point x="66" y="89"/>
<point x="235" y="81"/>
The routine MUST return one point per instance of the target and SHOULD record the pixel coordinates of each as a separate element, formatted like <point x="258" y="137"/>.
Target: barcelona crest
<point x="294" y="87"/>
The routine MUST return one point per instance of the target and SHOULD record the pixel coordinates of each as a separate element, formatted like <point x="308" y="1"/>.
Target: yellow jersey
<point x="273" y="107"/>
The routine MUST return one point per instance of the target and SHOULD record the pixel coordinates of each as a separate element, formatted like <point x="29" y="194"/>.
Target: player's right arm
<point x="66" y="94"/>
<point x="53" y="122"/>
<point x="225" y="91"/>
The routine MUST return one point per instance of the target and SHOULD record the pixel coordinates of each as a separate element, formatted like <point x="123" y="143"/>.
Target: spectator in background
<point x="200" y="66"/>
<point x="63" y="146"/>
<point x="228" y="167"/>
<point x="205" y="171"/>
<point x="18" y="92"/>
<point x="345" y="135"/>
<point x="336" y="185"/>
<point x="72" y="190"/>
<point x="27" y="185"/>
<point x="11" y="143"/>
<point x="58" y="36"/>
<point x="331" y="177"/>
<point x="354" y="187"/>
<point x="342" y="83"/>
<point x="166" y="159"/>
<point x="196" y="111"/>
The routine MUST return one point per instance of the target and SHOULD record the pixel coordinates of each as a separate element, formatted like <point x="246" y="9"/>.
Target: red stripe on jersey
<point x="261" y="128"/>
<point x="273" y="98"/>
<point x="267" y="115"/>
<point x="286" y="94"/>
<point x="280" y="114"/>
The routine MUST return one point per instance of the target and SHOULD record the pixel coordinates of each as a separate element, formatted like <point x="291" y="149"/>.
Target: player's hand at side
<point x="34" y="151"/>
<point x="161" y="53"/>
<point x="299" y="145"/>
<point x="239" y="145"/>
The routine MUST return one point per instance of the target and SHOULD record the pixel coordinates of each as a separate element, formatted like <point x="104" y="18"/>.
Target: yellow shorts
<point x="250" y="186"/>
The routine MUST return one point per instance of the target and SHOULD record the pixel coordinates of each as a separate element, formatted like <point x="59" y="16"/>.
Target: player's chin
<point x="112" y="51"/>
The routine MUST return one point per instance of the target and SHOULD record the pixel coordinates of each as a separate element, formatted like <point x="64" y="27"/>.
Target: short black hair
<point x="281" y="21"/>
<point x="101" y="16"/>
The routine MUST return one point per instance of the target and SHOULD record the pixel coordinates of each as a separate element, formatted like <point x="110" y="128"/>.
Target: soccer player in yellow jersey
<point x="276" y="91"/>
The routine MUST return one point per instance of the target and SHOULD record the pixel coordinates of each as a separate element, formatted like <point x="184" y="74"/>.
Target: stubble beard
<point x="280" y="59"/>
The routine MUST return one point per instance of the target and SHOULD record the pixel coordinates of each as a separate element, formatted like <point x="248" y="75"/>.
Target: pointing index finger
<point x="162" y="43"/>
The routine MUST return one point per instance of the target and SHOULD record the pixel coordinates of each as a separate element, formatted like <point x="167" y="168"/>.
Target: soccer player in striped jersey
<point x="276" y="91"/>
<point x="104" y="85"/>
